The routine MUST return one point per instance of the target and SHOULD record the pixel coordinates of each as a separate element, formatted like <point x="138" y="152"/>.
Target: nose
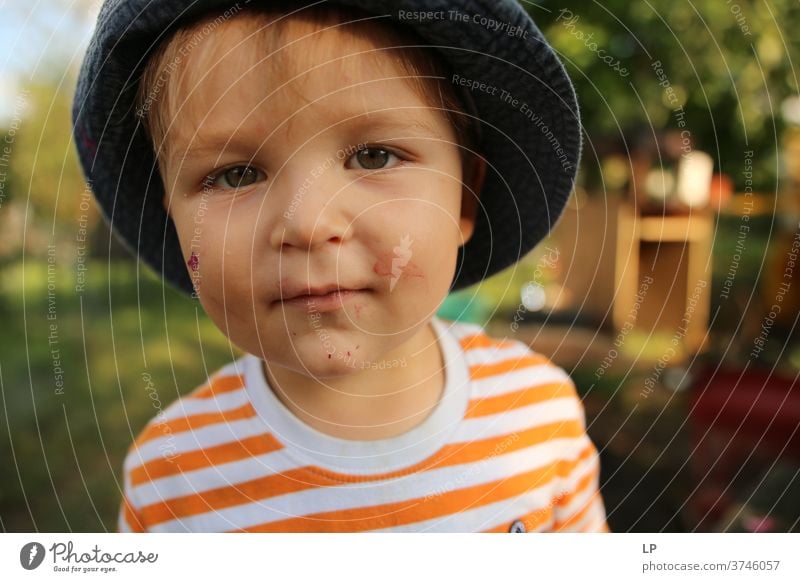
<point x="313" y="212"/>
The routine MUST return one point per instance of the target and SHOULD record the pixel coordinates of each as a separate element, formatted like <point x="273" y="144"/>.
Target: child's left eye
<point x="371" y="158"/>
<point x="234" y="177"/>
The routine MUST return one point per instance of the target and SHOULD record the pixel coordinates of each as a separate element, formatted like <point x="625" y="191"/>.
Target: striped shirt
<point x="504" y="449"/>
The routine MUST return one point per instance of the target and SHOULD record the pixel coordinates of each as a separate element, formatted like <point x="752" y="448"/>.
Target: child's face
<point x="311" y="211"/>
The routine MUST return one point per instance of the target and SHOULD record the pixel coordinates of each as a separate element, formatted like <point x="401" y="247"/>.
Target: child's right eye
<point x="234" y="177"/>
<point x="373" y="158"/>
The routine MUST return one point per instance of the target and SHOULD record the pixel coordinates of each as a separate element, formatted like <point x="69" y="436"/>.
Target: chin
<point x="321" y="366"/>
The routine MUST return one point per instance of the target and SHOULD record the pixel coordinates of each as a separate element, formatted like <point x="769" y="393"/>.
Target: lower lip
<point x="328" y="302"/>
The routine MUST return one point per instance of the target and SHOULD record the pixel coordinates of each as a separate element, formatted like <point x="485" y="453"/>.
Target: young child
<point x="320" y="178"/>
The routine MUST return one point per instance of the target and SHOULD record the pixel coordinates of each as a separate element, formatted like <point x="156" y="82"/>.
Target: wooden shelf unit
<point x="675" y="251"/>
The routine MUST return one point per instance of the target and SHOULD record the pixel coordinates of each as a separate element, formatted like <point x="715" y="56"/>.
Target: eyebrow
<point x="213" y="141"/>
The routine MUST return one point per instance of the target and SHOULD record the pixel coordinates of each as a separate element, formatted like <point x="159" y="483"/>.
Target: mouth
<point x="325" y="298"/>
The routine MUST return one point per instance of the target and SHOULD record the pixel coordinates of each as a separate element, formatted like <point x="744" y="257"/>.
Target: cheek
<point x="417" y="265"/>
<point x="412" y="245"/>
<point x="397" y="266"/>
<point x="218" y="257"/>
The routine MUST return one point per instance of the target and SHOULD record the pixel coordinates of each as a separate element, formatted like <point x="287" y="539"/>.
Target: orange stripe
<point x="305" y="478"/>
<point x="587" y="482"/>
<point x="199" y="459"/>
<point x="130" y="516"/>
<point x="584" y="483"/>
<point x="416" y="510"/>
<point x="222" y="497"/>
<point x="219" y="385"/>
<point x="504" y="366"/>
<point x="481" y="340"/>
<point x="518" y="399"/>
<point x="195" y="421"/>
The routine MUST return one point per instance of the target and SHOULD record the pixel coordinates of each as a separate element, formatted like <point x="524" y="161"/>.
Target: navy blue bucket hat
<point x="523" y="100"/>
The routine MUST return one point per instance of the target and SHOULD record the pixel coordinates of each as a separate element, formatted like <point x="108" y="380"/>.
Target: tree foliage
<point x="729" y="64"/>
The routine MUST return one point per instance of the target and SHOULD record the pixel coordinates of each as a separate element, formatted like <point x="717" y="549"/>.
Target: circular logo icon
<point x="31" y="555"/>
<point x="517" y="527"/>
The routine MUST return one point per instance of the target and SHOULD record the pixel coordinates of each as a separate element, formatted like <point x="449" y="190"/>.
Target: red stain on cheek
<point x="193" y="262"/>
<point x="391" y="266"/>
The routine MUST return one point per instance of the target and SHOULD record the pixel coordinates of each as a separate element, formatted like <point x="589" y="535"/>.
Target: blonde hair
<point x="275" y="24"/>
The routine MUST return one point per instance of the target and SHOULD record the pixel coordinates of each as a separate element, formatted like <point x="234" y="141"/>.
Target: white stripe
<point x="517" y="380"/>
<point x="192" y="440"/>
<point x="358" y="495"/>
<point x="461" y="329"/>
<point x="207" y="478"/>
<point x="518" y="419"/>
<point x="219" y="403"/>
<point x="490" y="355"/>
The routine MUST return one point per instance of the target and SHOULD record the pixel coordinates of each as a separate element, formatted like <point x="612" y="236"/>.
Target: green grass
<point x="61" y="453"/>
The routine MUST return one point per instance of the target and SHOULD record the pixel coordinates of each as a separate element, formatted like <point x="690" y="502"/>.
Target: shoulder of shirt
<point x="502" y="365"/>
<point x="227" y="384"/>
<point x="480" y="349"/>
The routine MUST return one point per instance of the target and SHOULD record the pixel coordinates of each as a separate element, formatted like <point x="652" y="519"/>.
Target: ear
<point x="474" y="176"/>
